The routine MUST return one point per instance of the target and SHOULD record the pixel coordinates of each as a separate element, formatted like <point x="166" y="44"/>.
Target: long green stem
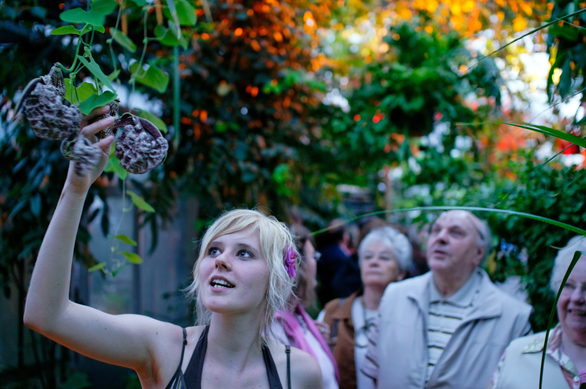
<point x="176" y="94"/>
<point x="110" y="46"/>
<point x="577" y="256"/>
<point x="561" y="18"/>
<point x="542" y="219"/>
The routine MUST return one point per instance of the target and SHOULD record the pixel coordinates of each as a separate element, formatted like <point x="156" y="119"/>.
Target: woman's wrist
<point x="74" y="192"/>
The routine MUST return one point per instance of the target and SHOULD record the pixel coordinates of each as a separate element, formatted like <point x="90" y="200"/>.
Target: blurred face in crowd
<point x="571" y="306"/>
<point x="310" y="264"/>
<point x="453" y="247"/>
<point x="378" y="265"/>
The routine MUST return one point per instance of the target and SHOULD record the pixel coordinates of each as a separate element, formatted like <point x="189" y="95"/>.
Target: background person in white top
<point x="448" y="327"/>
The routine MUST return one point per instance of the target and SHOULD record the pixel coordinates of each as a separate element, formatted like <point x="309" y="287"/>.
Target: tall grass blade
<point x="577" y="256"/>
<point x="550" y="131"/>
<point x="526" y="215"/>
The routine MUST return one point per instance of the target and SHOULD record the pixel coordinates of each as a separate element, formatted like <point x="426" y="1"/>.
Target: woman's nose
<point x="222" y="262"/>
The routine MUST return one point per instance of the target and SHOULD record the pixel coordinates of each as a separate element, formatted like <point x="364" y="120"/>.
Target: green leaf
<point x="551" y="131"/>
<point x="114" y="75"/>
<point x="114" y="165"/>
<point x="96" y="71"/>
<point x="139" y="3"/>
<point x="123" y="40"/>
<point x="186" y="13"/>
<point x="97" y="266"/>
<point x="125" y="239"/>
<point x="139" y="202"/>
<point x="104" y="7"/>
<point x="153" y="119"/>
<point x="78" y="15"/>
<point x="88" y="28"/>
<point x="175" y="24"/>
<point x="69" y="91"/>
<point x="65" y="30"/>
<point x="132" y="257"/>
<point x="96" y="101"/>
<point x="152" y="77"/>
<point x="166" y="37"/>
<point x="85" y="90"/>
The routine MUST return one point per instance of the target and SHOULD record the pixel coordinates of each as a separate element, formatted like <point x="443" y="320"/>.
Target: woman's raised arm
<point x="125" y="340"/>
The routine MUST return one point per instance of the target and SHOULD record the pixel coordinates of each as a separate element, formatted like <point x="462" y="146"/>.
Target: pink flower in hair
<point x="290" y="257"/>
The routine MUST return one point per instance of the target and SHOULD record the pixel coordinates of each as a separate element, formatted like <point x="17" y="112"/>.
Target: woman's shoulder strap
<point x="178" y="380"/>
<point x="288" y="353"/>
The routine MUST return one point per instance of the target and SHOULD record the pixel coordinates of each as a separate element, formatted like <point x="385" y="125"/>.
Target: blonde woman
<point x="242" y="276"/>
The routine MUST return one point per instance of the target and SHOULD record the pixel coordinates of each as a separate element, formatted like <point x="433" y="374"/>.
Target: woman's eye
<point x="245" y="254"/>
<point x="213" y="251"/>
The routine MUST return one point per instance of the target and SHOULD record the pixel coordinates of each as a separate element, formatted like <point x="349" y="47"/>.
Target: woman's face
<point x="310" y="264"/>
<point x="378" y="265"/>
<point x="233" y="274"/>
<point x="571" y="306"/>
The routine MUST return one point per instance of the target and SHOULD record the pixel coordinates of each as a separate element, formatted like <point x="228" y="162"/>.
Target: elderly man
<point x="448" y="327"/>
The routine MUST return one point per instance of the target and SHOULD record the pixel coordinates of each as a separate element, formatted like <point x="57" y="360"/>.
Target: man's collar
<point x="463" y="296"/>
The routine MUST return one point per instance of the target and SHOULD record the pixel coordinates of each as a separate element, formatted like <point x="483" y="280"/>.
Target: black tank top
<point x="192" y="377"/>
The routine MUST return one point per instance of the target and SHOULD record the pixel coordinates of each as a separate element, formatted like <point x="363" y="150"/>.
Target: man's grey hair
<point x="396" y="242"/>
<point x="564" y="258"/>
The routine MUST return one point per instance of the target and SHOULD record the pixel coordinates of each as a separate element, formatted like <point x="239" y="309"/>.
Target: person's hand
<point x="80" y="184"/>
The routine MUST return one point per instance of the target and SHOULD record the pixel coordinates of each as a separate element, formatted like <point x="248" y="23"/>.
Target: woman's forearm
<point x="48" y="293"/>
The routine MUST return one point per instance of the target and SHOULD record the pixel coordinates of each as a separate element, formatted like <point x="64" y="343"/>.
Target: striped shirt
<point x="444" y="317"/>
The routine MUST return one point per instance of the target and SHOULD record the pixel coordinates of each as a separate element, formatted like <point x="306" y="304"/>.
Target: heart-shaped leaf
<point x="123" y="40"/>
<point x="166" y="37"/>
<point x="96" y="71"/>
<point x="152" y="77"/>
<point x="153" y="119"/>
<point x="78" y="15"/>
<point x="65" y="30"/>
<point x="104" y="7"/>
<point x="185" y="13"/>
<point x="95" y="101"/>
<point x="114" y="166"/>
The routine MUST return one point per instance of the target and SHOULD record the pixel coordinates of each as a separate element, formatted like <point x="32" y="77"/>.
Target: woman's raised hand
<point x="80" y="183"/>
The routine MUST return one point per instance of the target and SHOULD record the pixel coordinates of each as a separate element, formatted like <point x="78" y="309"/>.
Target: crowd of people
<point x="392" y="315"/>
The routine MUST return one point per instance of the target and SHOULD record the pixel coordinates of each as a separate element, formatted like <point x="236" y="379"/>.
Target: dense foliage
<point x="527" y="185"/>
<point x="242" y="89"/>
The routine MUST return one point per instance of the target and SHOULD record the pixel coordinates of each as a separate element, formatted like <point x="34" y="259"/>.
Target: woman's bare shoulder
<point x="305" y="371"/>
<point x="167" y="346"/>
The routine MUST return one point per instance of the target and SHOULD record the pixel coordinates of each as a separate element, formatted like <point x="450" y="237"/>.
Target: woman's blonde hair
<point x="275" y="241"/>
